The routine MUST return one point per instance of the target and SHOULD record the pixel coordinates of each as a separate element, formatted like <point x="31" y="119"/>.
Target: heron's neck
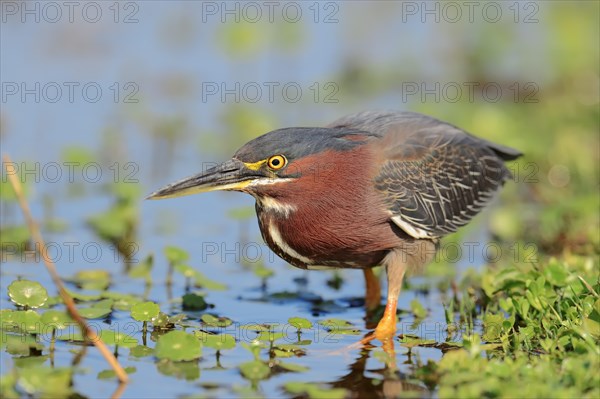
<point x="275" y="207"/>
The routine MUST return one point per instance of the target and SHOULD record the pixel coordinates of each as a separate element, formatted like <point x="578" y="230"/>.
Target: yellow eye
<point x="276" y="162"/>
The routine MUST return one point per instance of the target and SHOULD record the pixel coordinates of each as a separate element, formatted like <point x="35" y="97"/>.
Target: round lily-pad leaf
<point x="255" y="370"/>
<point x="176" y="255"/>
<point x="313" y="390"/>
<point x="141" y="351"/>
<point x="24" y="321"/>
<point x="71" y="336"/>
<point x="47" y="382"/>
<point x="299" y="322"/>
<point x="216" y="341"/>
<point x="161" y="320"/>
<point x="57" y="319"/>
<point x="81" y="297"/>
<point x="289" y="350"/>
<point x="193" y="302"/>
<point x="144" y="311"/>
<point x="122" y="301"/>
<point x="94" y="313"/>
<point x="214" y="321"/>
<point x="333" y="322"/>
<point x="92" y="279"/>
<point x="270" y="336"/>
<point x="188" y="371"/>
<point x="104" y="303"/>
<point x="178" y="346"/>
<point x="293" y="367"/>
<point x="110" y="373"/>
<point x="20" y="345"/>
<point x="27" y="293"/>
<point x="255" y="327"/>
<point x="26" y="362"/>
<point x="200" y="280"/>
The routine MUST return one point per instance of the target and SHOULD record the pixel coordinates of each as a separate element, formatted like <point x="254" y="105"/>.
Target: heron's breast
<point x="307" y="238"/>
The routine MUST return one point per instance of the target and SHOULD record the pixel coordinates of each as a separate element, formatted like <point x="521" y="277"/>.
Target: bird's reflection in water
<point x="386" y="382"/>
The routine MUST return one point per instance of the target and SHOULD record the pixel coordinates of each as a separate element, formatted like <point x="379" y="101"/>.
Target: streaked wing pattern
<point x="436" y="177"/>
<point x="443" y="189"/>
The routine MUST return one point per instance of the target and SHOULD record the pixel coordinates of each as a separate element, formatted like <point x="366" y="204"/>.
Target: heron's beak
<point x="230" y="175"/>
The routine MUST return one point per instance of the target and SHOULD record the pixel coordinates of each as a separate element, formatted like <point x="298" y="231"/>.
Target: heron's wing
<point x="434" y="177"/>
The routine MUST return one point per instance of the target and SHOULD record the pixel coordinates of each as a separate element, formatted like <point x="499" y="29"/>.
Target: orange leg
<point x="387" y="325"/>
<point x="373" y="288"/>
<point x="395" y="269"/>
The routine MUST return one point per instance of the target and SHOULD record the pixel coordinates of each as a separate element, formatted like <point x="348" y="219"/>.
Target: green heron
<point x="374" y="188"/>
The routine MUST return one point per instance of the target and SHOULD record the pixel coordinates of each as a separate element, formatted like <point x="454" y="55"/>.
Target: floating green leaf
<point x="289" y="350"/>
<point x="315" y="391"/>
<point x="110" y="373"/>
<point x="91" y="279"/>
<point x="26" y="362"/>
<point x="201" y="281"/>
<point x="216" y="341"/>
<point x="339" y="326"/>
<point x="122" y="301"/>
<point x="27" y="293"/>
<point x="57" y="319"/>
<point x="71" y="336"/>
<point x="104" y="303"/>
<point x="300" y="323"/>
<point x="333" y="322"/>
<point x="24" y="321"/>
<point x="193" y="301"/>
<point x="296" y="368"/>
<point x="94" y="312"/>
<point x="255" y="370"/>
<point x="270" y="335"/>
<point x="45" y="381"/>
<point x="141" y="351"/>
<point x="144" y="311"/>
<point x="20" y="345"/>
<point x="161" y="320"/>
<point x="178" y="346"/>
<point x="8" y="381"/>
<point x="255" y="327"/>
<point x="188" y="371"/>
<point x="214" y="321"/>
<point x="410" y="341"/>
<point x="79" y="296"/>
<point x="176" y="255"/>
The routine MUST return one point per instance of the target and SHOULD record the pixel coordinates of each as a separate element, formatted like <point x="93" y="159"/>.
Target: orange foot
<point x="386" y="329"/>
<point x="387" y="325"/>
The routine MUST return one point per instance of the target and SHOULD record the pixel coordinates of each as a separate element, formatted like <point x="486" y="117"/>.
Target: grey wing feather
<point x="435" y="177"/>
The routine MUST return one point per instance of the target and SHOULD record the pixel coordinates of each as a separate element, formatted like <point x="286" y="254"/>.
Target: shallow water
<point x="174" y="129"/>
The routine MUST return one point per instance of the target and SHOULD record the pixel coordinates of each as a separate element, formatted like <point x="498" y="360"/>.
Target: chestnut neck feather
<point x="338" y="219"/>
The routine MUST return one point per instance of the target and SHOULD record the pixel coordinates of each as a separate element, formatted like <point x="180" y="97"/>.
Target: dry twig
<point x="70" y="304"/>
